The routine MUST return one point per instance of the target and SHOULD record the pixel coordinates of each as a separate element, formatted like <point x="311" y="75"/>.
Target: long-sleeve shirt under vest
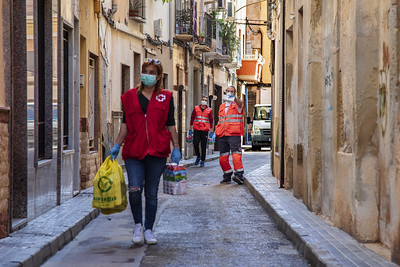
<point x="210" y="117"/>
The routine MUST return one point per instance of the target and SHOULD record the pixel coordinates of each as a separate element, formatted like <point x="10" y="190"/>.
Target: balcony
<point x="251" y="68"/>
<point x="185" y="23"/>
<point x="236" y="62"/>
<point x="219" y="52"/>
<point x="204" y="39"/>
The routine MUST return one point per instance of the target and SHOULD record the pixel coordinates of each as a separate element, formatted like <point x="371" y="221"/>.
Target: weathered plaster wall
<point x="313" y="84"/>
<point x="388" y="126"/>
<point x="341" y="78"/>
<point x="366" y="179"/>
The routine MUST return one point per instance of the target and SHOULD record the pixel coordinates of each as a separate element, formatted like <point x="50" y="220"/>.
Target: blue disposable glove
<point x="231" y="97"/>
<point x="190" y="132"/>
<point x="210" y="135"/>
<point x="114" y="151"/>
<point x="213" y="138"/>
<point x="176" y="155"/>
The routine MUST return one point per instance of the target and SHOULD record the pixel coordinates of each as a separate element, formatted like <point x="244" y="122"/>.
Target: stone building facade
<point x="62" y="75"/>
<point x="336" y="112"/>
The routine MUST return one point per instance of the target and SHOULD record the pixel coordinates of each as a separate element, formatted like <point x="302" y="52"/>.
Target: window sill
<point x="68" y="152"/>
<point x="138" y="19"/>
<point x="44" y="162"/>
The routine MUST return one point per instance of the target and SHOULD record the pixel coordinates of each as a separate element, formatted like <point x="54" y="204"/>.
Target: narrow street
<point x="213" y="225"/>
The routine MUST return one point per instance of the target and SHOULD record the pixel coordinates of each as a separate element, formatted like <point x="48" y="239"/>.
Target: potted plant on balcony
<point x="228" y="35"/>
<point x="201" y="37"/>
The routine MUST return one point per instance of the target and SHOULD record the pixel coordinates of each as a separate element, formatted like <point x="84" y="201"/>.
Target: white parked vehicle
<point x="261" y="130"/>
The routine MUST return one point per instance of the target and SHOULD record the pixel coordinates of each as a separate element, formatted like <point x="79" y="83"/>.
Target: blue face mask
<point x="148" y="79"/>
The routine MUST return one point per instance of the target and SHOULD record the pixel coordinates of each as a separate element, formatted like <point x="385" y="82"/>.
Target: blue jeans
<point x="145" y="174"/>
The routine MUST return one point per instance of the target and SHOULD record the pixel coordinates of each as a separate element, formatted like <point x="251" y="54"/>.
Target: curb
<point x="44" y="236"/>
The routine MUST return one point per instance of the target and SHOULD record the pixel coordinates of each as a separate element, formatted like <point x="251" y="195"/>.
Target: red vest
<point x="147" y="134"/>
<point x="201" y="120"/>
<point x="231" y="123"/>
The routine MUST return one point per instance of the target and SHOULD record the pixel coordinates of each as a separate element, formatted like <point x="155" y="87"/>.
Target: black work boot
<point x="226" y="179"/>
<point x="238" y="179"/>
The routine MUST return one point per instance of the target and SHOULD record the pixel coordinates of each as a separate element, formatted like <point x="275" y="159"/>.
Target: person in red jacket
<point x="230" y="129"/>
<point x="202" y="122"/>
<point x="147" y="130"/>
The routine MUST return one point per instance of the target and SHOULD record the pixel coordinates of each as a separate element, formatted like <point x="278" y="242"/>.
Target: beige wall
<point x="89" y="44"/>
<point x="90" y="161"/>
<point x="266" y="49"/>
<point x="341" y="114"/>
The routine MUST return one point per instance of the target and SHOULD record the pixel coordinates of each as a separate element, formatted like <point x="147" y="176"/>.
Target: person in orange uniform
<point x="230" y="129"/>
<point x="202" y="122"/>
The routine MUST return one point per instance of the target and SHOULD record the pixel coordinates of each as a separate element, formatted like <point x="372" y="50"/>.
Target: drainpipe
<point x="60" y="101"/>
<point x="171" y="28"/>
<point x="282" y="152"/>
<point x="202" y="74"/>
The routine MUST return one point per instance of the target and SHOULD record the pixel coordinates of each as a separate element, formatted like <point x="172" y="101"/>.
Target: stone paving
<point x="320" y="243"/>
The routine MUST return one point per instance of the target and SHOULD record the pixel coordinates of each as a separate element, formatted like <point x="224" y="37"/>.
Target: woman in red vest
<point x="147" y="129"/>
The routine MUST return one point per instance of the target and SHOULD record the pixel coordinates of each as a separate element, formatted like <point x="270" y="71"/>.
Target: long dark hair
<point x="159" y="74"/>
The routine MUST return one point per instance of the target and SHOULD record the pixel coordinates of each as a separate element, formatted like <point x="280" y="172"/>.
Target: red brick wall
<point x="89" y="161"/>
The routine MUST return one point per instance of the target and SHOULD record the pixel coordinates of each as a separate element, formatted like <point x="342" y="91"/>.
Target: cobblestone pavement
<point x="219" y="225"/>
<point x="214" y="225"/>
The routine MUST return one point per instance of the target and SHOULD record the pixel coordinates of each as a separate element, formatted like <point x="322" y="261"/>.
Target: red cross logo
<point x="161" y="98"/>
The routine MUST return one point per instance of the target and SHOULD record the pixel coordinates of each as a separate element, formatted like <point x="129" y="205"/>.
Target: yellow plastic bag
<point x="109" y="188"/>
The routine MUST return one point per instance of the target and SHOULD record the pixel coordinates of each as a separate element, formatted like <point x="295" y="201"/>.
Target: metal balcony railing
<point x="207" y="29"/>
<point x="185" y="22"/>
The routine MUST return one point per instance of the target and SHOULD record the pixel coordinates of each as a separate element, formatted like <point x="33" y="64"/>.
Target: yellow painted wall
<point x="84" y="62"/>
<point x="266" y="49"/>
<point x="89" y="44"/>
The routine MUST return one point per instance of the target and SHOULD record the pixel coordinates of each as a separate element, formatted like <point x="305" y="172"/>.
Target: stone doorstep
<point x="320" y="243"/>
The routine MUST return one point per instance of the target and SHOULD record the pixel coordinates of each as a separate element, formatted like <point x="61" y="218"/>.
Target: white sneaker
<point x="149" y="237"/>
<point x="138" y="234"/>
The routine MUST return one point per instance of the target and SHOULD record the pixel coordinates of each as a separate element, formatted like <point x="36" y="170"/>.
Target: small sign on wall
<point x="82" y="80"/>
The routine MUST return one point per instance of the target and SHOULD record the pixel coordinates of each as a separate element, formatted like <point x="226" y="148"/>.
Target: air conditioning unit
<point x="158" y="28"/>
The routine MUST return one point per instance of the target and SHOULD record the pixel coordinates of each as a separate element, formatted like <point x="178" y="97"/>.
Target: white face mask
<point x="204" y="103"/>
<point x="226" y="99"/>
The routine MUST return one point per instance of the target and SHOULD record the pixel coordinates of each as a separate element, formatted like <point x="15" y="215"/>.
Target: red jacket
<point x="230" y="124"/>
<point x="147" y="133"/>
<point x="201" y="120"/>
